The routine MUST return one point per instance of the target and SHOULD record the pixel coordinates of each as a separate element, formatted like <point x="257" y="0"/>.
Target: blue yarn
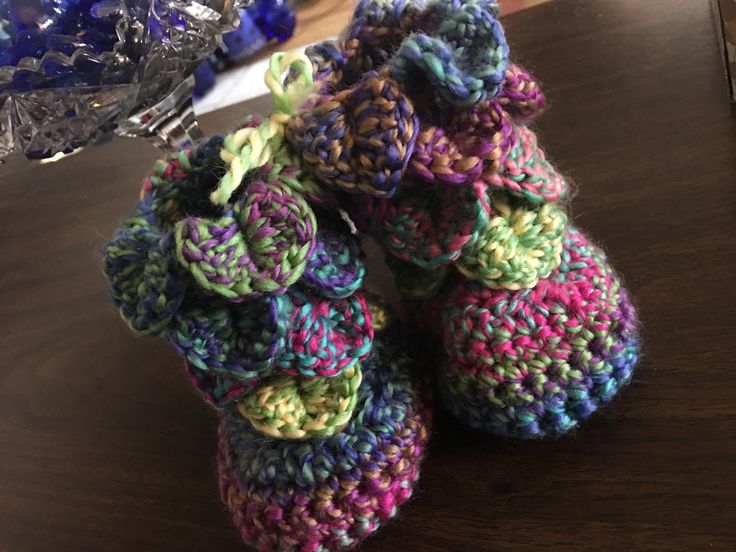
<point x="467" y="60"/>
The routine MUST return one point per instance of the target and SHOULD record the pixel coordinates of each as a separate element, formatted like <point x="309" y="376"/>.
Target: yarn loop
<point x="430" y="225"/>
<point x="336" y="268"/>
<point x="526" y="173"/>
<point x="474" y="143"/>
<point x="239" y="342"/>
<point x="359" y="139"/>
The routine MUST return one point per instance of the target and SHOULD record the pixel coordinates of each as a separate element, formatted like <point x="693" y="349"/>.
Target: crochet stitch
<point x="526" y="173"/>
<point x="260" y="245"/>
<point x="327" y="336"/>
<point x="520" y="246"/>
<point x="536" y="362"/>
<point x="359" y="139"/>
<point x="302" y="408"/>
<point x="428" y="225"/>
<point x="179" y="185"/>
<point x="477" y="211"/>
<point x="254" y="146"/>
<point x="336" y="268"/>
<point x="520" y="95"/>
<point x="329" y="493"/>
<point x="236" y="342"/>
<point x="213" y="279"/>
<point x="475" y="143"/>
<point x="322" y="432"/>
<point x="146" y="284"/>
<point x="375" y="32"/>
<point x="467" y="59"/>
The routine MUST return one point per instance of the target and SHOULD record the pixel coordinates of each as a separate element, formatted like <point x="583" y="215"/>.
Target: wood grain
<point x="105" y="446"/>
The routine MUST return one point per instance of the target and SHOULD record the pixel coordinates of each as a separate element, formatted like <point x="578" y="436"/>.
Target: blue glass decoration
<point x="261" y="22"/>
<point x="73" y="69"/>
<point x="274" y="17"/>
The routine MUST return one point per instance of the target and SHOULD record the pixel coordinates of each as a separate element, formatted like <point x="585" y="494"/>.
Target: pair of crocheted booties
<point x="241" y="253"/>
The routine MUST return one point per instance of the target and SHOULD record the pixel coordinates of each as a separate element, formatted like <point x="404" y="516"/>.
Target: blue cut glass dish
<point x="71" y="70"/>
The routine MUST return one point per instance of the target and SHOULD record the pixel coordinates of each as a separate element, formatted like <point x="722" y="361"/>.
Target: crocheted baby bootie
<point x="329" y="493"/>
<point x="420" y="125"/>
<point x="536" y="362"/>
<point x="241" y="260"/>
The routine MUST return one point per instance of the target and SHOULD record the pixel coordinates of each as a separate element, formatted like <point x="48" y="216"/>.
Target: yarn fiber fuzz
<point x="329" y="494"/>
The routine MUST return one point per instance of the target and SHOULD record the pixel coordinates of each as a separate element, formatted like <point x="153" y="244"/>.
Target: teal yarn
<point x="213" y="280"/>
<point x="180" y="186"/>
<point x="336" y="269"/>
<point x="465" y="61"/>
<point x="429" y="225"/>
<point x="232" y="342"/>
<point x="146" y="283"/>
<point x="376" y="29"/>
<point x="326" y="336"/>
<point x="537" y="329"/>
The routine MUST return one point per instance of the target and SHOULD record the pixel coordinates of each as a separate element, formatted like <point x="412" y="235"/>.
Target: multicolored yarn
<point x="218" y="391"/>
<point x="521" y="95"/>
<point x="259" y="245"/>
<point x="536" y="362"/>
<point x="231" y="341"/>
<point x="214" y="267"/>
<point x="326" y="494"/>
<point x="146" y="283"/>
<point x="358" y="139"/>
<point x="526" y="173"/>
<point x="327" y="336"/>
<point x="179" y="185"/>
<point x="428" y="225"/>
<point x="473" y="144"/>
<point x="337" y="132"/>
<point x="254" y="146"/>
<point x="336" y="268"/>
<point x="465" y="61"/>
<point x="285" y="407"/>
<point x="520" y="246"/>
<point x="475" y="212"/>
<point x="322" y="433"/>
<point x="375" y="32"/>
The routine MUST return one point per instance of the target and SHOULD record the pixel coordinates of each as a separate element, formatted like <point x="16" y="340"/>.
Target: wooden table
<point x="105" y="446"/>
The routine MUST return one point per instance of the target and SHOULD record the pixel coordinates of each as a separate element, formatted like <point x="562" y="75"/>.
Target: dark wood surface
<point x="103" y="445"/>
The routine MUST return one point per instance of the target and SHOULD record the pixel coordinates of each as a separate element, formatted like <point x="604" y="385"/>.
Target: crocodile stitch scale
<point x="464" y="59"/>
